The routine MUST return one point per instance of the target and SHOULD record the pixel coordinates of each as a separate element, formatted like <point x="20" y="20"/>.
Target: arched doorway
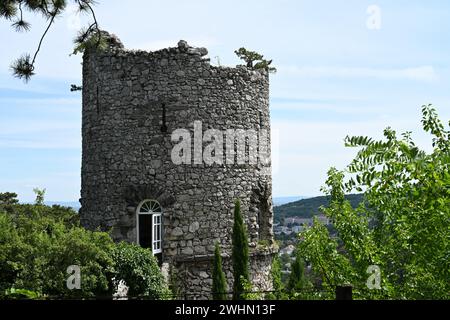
<point x="149" y="226"/>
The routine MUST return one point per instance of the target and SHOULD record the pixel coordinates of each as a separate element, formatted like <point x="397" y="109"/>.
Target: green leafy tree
<point x="219" y="285"/>
<point x="21" y="294"/>
<point x="8" y="198"/>
<point x="239" y="255"/>
<point x="40" y="196"/>
<point x="285" y="259"/>
<point x="255" y="60"/>
<point x="38" y="243"/>
<point x="15" y="11"/>
<point x="36" y="248"/>
<point x="403" y="224"/>
<point x="278" y="285"/>
<point x="247" y="290"/>
<point x="139" y="269"/>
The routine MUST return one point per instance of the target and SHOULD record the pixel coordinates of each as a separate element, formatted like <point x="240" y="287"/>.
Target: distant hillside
<point x="72" y="204"/>
<point x="307" y="208"/>
<point x="278" y="201"/>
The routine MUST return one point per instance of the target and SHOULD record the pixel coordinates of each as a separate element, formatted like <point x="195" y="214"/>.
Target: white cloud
<point x="421" y="73"/>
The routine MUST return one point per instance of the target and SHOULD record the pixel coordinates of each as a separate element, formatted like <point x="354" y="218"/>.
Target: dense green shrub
<point x="139" y="269"/>
<point x="38" y="243"/>
<point x="8" y="198"/>
<point x="248" y="293"/>
<point x="36" y="249"/>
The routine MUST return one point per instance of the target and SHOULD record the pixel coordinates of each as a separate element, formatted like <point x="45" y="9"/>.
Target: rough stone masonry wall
<point x="127" y="156"/>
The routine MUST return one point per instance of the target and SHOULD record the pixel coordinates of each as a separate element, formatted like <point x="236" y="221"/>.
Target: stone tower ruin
<point x="133" y="102"/>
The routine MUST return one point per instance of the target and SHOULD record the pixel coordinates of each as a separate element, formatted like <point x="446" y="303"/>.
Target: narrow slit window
<point x="164" y="125"/>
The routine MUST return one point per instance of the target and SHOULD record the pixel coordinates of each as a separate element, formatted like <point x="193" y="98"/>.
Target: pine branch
<point x="8" y="10"/>
<point x="24" y="66"/>
<point x="20" y="24"/>
<point x="43" y="36"/>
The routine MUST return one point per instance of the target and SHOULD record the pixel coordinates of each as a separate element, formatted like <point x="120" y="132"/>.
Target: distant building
<point x="306" y="221"/>
<point x="287" y="250"/>
<point x="287" y="231"/>
<point x="323" y="219"/>
<point x="298" y="221"/>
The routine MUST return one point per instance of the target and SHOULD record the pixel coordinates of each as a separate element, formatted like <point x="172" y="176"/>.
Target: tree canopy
<point x="402" y="227"/>
<point x="38" y="243"/>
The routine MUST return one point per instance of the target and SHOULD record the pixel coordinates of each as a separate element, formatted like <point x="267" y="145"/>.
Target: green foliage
<point x="23" y="67"/>
<point x="403" y="224"/>
<point x="21" y="294"/>
<point x="40" y="195"/>
<point x="14" y="10"/>
<point x="139" y="269"/>
<point x="36" y="248"/>
<point x="276" y="274"/>
<point x="317" y="247"/>
<point x="8" y="199"/>
<point x="8" y="9"/>
<point x="297" y="280"/>
<point x="263" y="244"/>
<point x="299" y="285"/>
<point x="308" y="208"/>
<point x="176" y="280"/>
<point x="255" y="60"/>
<point x="247" y="290"/>
<point x="278" y="285"/>
<point x="219" y="285"/>
<point x="38" y="243"/>
<point x="74" y="87"/>
<point x="90" y="39"/>
<point x="239" y="253"/>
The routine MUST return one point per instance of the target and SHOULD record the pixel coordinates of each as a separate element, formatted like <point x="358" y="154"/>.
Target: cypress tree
<point x="297" y="279"/>
<point x="239" y="254"/>
<point x="219" y="284"/>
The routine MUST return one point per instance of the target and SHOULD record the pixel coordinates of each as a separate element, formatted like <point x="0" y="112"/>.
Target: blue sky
<point x="335" y="77"/>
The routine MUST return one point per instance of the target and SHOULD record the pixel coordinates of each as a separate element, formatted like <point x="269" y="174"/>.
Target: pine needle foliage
<point x="14" y="10"/>
<point x="254" y="60"/>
